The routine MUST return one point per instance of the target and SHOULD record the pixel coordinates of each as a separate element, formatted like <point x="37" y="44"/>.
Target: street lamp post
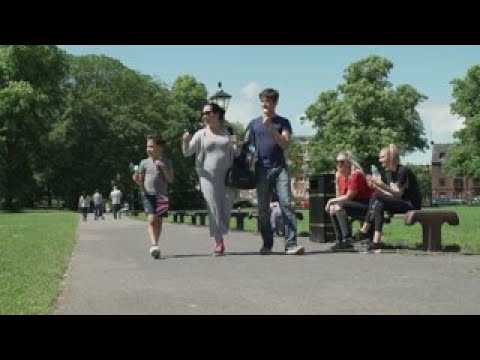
<point x="221" y="98"/>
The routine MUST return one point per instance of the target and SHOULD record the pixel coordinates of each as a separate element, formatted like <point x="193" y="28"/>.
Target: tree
<point x="424" y="178"/>
<point x="189" y="96"/>
<point x="363" y="114"/>
<point x="109" y="111"/>
<point x="30" y="101"/>
<point x="294" y="158"/>
<point x="464" y="156"/>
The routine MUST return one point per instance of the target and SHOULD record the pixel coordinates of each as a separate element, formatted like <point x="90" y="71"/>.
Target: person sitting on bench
<point x="401" y="195"/>
<point x="352" y="198"/>
<point x="276" y="218"/>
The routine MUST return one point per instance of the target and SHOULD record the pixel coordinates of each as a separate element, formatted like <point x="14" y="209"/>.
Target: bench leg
<point x="240" y="225"/>
<point x="432" y="237"/>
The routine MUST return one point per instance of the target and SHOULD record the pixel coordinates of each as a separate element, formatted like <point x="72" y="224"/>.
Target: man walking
<point x="271" y="134"/>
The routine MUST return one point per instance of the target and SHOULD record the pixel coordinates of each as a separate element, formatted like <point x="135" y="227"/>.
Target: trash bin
<point x="322" y="189"/>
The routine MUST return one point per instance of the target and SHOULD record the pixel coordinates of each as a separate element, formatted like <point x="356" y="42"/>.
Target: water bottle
<point x="375" y="172"/>
<point x="251" y="157"/>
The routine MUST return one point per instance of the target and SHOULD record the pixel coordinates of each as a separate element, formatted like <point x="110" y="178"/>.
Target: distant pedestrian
<point x="153" y="175"/>
<point x="98" y="205"/>
<point x="116" y="196"/>
<point x="83" y="205"/>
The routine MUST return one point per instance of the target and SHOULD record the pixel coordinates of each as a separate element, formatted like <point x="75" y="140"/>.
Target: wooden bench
<point x="254" y="215"/>
<point x="179" y="216"/>
<point x="202" y="214"/>
<point x="432" y="221"/>
<point x="240" y="217"/>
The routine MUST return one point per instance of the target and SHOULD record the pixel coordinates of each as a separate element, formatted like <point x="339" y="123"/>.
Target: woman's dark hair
<point x="157" y="139"/>
<point x="217" y="109"/>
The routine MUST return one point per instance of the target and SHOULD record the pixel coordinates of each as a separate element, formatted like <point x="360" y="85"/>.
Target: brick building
<point x="300" y="181"/>
<point x="450" y="187"/>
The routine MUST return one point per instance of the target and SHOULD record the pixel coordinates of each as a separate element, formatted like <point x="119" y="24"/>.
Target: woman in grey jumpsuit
<point x="215" y="149"/>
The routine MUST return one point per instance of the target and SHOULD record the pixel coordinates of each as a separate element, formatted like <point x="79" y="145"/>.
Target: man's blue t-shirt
<point x="270" y="154"/>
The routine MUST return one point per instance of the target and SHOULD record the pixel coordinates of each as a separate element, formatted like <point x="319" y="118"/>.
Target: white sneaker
<point x="295" y="250"/>
<point x="155" y="251"/>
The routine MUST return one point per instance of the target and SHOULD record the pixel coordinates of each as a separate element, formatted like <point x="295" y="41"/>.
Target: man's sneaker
<point x="342" y="245"/>
<point x="295" y="250"/>
<point x="155" y="251"/>
<point x="265" y="251"/>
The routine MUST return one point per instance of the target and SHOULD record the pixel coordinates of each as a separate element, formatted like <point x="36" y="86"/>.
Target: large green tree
<point x="363" y="114"/>
<point x="109" y="111"/>
<point x="189" y="96"/>
<point x="30" y="103"/>
<point x="464" y="155"/>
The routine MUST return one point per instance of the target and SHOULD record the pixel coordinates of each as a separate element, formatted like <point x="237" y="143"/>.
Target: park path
<point x="111" y="272"/>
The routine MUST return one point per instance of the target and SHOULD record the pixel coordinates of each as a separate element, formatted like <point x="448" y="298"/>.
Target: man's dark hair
<point x="269" y="93"/>
<point x="157" y="139"/>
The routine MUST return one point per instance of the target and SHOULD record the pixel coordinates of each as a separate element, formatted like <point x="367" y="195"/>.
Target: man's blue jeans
<point x="268" y="179"/>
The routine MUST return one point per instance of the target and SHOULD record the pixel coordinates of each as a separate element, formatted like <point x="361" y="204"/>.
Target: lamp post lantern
<point x="221" y="98"/>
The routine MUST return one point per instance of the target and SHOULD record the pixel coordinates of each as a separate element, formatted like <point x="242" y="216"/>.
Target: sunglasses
<point x="340" y="161"/>
<point x="208" y="112"/>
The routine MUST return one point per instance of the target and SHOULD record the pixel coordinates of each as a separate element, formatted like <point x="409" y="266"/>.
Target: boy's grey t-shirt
<point x="154" y="181"/>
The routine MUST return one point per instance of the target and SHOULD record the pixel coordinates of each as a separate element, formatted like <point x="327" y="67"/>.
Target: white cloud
<point x="246" y="107"/>
<point x="250" y="91"/>
<point x="439" y="123"/>
<point x="439" y="126"/>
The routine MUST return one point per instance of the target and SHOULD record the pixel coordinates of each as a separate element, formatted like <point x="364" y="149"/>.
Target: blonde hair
<point x="352" y="159"/>
<point x="393" y="154"/>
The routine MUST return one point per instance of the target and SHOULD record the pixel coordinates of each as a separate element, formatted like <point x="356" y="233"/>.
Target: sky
<point x="301" y="72"/>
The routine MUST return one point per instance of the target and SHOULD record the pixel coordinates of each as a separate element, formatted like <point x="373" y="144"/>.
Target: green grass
<point x="35" y="249"/>
<point x="36" y="246"/>
<point x="464" y="238"/>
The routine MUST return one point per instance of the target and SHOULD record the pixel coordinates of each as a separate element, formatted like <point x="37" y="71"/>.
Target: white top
<point x="116" y="196"/>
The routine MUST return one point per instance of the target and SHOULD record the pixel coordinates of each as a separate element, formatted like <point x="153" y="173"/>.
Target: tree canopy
<point x="363" y="114"/>
<point x="464" y="154"/>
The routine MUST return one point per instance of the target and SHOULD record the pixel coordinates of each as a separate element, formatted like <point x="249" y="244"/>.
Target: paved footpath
<point x="111" y="272"/>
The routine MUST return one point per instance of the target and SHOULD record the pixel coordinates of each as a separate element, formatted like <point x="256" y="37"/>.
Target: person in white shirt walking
<point x="98" y="204"/>
<point x="116" y="196"/>
<point x="83" y="205"/>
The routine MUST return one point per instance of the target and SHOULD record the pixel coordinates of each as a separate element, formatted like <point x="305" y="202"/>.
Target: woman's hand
<point x="187" y="137"/>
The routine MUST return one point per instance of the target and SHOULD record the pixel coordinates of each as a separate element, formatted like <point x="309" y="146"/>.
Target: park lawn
<point x="35" y="250"/>
<point x="464" y="238"/>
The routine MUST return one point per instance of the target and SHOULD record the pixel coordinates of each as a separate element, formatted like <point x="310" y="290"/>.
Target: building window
<point x="458" y="184"/>
<point x="441" y="182"/>
<point x="441" y="155"/>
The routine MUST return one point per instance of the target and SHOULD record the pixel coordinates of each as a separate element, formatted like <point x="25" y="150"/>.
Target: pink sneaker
<point x="219" y="249"/>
